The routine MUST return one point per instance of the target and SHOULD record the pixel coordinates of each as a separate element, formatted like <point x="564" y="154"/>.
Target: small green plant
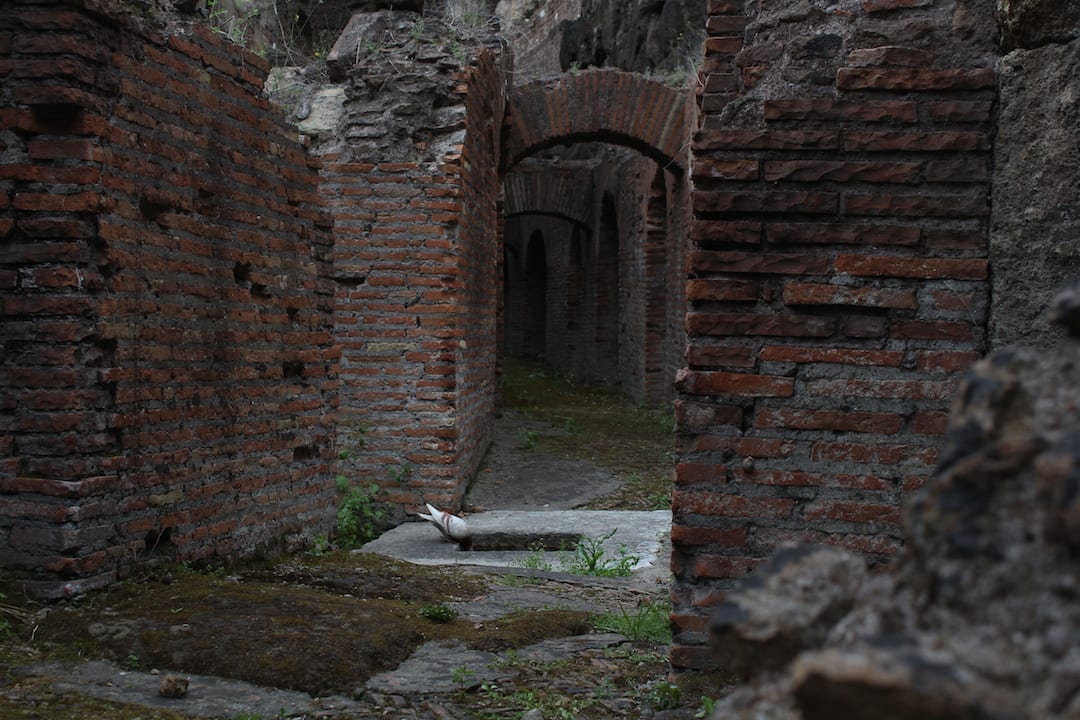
<point x="131" y="662"/>
<point x="320" y="547"/>
<point x="649" y="621"/>
<point x="222" y="20"/>
<point x="552" y="706"/>
<point x="437" y="612"/>
<point x="517" y="581"/>
<point x="358" y="515"/>
<point x="660" y="501"/>
<point x="462" y="676"/>
<point x="665" y="695"/>
<point x="708" y="704"/>
<point x="535" y="560"/>
<point x="400" y="473"/>
<point x="527" y="439"/>
<point x="590" y="558"/>
<point x="457" y="50"/>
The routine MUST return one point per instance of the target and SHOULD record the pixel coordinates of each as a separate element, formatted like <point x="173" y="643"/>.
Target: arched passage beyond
<point x="603" y="105"/>
<point x="611" y="242"/>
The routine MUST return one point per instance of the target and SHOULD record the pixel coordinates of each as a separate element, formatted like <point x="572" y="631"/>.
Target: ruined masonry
<point x="206" y="317"/>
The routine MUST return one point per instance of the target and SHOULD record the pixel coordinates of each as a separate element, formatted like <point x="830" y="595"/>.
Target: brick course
<point x="170" y="299"/>
<point x="838" y="281"/>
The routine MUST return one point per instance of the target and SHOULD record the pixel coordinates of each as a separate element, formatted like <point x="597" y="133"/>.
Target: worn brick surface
<point x="170" y="300"/>
<point x="841" y="191"/>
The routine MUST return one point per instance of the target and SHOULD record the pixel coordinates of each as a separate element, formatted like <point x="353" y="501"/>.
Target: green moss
<point x="318" y="627"/>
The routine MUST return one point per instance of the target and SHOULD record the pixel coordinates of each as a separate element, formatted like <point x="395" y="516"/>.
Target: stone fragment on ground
<point x="205" y="697"/>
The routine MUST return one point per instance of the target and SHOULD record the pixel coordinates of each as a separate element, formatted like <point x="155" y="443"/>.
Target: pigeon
<point x="452" y="527"/>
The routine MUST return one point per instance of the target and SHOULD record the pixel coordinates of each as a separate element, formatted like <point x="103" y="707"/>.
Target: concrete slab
<point x="643" y="534"/>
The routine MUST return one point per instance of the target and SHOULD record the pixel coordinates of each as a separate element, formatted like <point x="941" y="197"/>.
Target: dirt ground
<point x="353" y="635"/>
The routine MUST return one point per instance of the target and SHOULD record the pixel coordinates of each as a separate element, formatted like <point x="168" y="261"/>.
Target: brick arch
<point x="604" y="105"/>
<point x="533" y="192"/>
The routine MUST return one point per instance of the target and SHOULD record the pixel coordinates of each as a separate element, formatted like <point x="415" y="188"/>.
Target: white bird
<point x="452" y="527"/>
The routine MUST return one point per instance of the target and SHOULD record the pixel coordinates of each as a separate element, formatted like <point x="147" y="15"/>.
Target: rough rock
<point x="1036" y="209"/>
<point x="173" y="686"/>
<point x="788" y="604"/>
<point x="642" y="35"/>
<point x="1032" y="23"/>
<point x="980" y="617"/>
<point x="872" y="683"/>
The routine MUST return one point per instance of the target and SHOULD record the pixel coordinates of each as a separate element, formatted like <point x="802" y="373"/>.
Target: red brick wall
<point x="417" y="274"/>
<point x="838" y="280"/>
<point x="168" y="363"/>
<point x="480" y="263"/>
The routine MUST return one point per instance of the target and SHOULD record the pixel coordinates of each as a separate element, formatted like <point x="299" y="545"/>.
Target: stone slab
<point x="643" y="533"/>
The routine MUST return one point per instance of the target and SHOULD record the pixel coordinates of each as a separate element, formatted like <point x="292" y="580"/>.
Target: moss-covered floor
<point x="325" y="624"/>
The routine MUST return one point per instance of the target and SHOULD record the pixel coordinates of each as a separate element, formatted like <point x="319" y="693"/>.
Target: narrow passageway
<point x="561" y="445"/>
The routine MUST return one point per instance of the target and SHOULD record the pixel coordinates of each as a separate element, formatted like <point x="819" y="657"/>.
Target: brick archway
<point x="534" y="193"/>
<point x="605" y="105"/>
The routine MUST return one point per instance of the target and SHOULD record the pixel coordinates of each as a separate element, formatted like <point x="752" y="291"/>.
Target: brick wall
<point x="480" y="263"/>
<point x="838" y="279"/>
<point x="417" y="272"/>
<point x="167" y="364"/>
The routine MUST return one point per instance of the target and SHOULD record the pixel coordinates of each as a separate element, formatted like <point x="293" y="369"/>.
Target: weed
<point x="131" y="662"/>
<point x="466" y="15"/>
<point x="535" y="560"/>
<point x="551" y="705"/>
<point x="457" y="50"/>
<point x="708" y="704"/>
<point x="648" y="622"/>
<point x="320" y="547"/>
<point x="590" y="558"/>
<point x="462" y="676"/>
<point x="604" y="690"/>
<point x="225" y="22"/>
<point x="437" y="612"/>
<point x="516" y="581"/>
<point x="527" y="439"/>
<point x="358" y="515"/>
<point x="665" y="695"/>
<point x="660" y="501"/>
<point x="205" y="569"/>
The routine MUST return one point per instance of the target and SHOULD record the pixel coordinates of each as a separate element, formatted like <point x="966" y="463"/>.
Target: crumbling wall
<point x="839" y="278"/>
<point x="643" y="36"/>
<point x="1036" y="205"/>
<point x="168" y="367"/>
<point x="410" y="177"/>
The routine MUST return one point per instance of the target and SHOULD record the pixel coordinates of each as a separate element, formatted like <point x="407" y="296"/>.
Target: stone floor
<point x="522" y="495"/>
